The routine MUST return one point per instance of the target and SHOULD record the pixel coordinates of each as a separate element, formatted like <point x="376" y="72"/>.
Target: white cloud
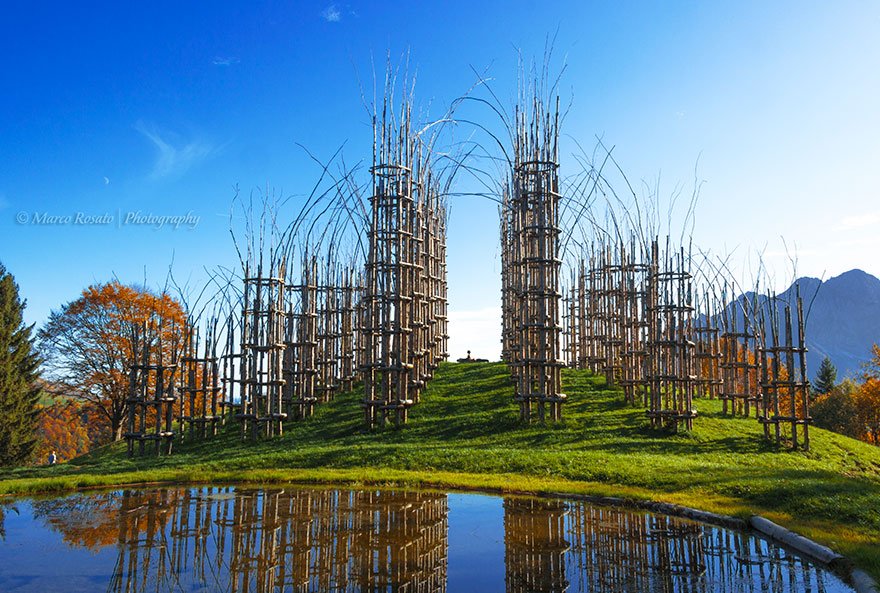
<point x="331" y="14"/>
<point x="859" y="242"/>
<point x="174" y="159"/>
<point x="859" y="221"/>
<point x="225" y="61"/>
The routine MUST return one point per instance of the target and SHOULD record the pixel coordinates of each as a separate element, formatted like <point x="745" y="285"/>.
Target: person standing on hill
<point x="52" y="458"/>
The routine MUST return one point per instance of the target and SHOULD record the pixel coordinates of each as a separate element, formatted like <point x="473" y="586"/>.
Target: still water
<point x="292" y="540"/>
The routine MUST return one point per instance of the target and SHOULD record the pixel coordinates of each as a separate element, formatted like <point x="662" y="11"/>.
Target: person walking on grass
<point x="52" y="458"/>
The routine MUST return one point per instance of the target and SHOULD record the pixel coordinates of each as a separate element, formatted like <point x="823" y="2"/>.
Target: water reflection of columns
<point x="191" y="528"/>
<point x="325" y="540"/>
<point x="341" y="541"/>
<point x="255" y="529"/>
<point x="143" y="563"/>
<point x="535" y="545"/>
<point x="617" y="550"/>
<point x="747" y="564"/>
<point x="400" y="541"/>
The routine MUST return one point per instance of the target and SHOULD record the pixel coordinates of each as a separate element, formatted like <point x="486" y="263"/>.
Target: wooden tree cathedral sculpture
<point x="355" y="289"/>
<point x="404" y="298"/>
<point x="530" y="237"/>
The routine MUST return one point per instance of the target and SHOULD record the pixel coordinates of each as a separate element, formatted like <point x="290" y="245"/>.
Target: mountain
<point x="843" y="319"/>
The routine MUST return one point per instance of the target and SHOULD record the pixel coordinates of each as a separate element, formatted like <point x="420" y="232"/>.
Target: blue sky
<point x="163" y="108"/>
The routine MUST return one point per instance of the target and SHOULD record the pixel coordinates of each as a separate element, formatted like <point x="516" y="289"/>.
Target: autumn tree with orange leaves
<point x="91" y="343"/>
<point x="853" y="408"/>
<point x="867" y="399"/>
<point x="64" y="428"/>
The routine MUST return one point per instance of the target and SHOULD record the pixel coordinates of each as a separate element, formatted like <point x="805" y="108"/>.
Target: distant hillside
<point x="844" y="319"/>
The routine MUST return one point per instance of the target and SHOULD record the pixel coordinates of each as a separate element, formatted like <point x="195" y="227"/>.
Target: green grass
<point x="466" y="434"/>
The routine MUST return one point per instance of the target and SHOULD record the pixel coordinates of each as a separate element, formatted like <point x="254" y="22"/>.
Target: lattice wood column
<point x="671" y="347"/>
<point x="199" y="407"/>
<point x="152" y="391"/>
<point x="390" y="272"/>
<point x="262" y="412"/>
<point x="783" y="368"/>
<point x="740" y="388"/>
<point x="708" y="356"/>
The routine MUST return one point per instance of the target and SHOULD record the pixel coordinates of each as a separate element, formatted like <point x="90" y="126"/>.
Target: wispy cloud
<point x="332" y="14"/>
<point x="225" y="61"/>
<point x="859" y="243"/>
<point x="174" y="158"/>
<point x="859" y="221"/>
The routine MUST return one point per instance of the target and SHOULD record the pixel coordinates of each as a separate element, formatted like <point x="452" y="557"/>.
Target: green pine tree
<point x="826" y="377"/>
<point x="19" y="371"/>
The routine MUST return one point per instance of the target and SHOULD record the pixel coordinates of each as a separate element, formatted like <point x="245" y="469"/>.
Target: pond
<point x="298" y="539"/>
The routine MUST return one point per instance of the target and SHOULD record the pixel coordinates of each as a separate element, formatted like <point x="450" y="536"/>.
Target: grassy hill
<point x="466" y="434"/>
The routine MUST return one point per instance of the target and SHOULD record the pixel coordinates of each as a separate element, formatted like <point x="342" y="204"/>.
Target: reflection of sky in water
<point x="35" y="558"/>
<point x="476" y="550"/>
<point x="217" y="539"/>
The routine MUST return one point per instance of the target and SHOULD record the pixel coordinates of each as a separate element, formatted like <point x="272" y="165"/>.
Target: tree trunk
<point x="116" y="429"/>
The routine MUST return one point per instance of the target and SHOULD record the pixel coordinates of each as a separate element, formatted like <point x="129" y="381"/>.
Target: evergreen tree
<point x="19" y="364"/>
<point x="826" y="377"/>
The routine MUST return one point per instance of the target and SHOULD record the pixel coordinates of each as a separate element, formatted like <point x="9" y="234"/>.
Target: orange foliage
<point x="872" y="367"/>
<point x="864" y="420"/>
<point x="91" y="522"/>
<point x="97" y="520"/>
<point x="62" y="428"/>
<point x="93" y="342"/>
<point x="867" y="400"/>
